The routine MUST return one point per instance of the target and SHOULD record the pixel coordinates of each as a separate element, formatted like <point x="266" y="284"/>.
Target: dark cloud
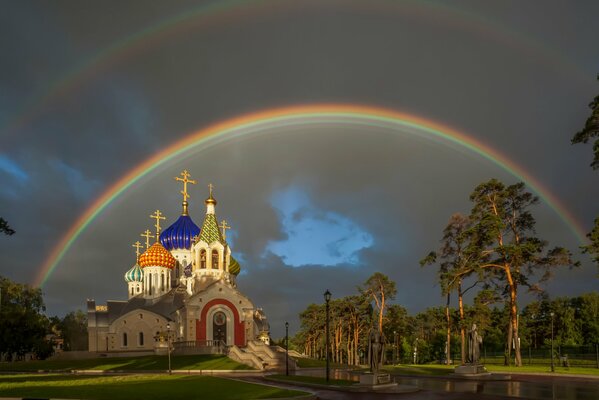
<point x="513" y="81"/>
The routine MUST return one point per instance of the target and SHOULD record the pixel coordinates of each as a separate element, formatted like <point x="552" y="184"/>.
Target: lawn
<point x="131" y="387"/>
<point x="145" y="363"/>
<point x="311" y="379"/>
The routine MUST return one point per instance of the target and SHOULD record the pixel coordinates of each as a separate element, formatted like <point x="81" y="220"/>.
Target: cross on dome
<point x="185" y="180"/>
<point x="224" y="227"/>
<point x="157" y="216"/>
<point x="137" y="246"/>
<point x="147" y="234"/>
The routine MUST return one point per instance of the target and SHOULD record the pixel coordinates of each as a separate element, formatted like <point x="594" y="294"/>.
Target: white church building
<point x="183" y="286"/>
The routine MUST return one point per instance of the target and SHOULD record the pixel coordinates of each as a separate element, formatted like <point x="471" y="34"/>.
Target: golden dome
<point x="157" y="256"/>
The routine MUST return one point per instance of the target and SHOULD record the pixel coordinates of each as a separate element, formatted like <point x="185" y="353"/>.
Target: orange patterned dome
<point x="157" y="256"/>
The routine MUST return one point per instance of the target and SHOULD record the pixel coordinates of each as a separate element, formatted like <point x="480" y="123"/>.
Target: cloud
<point x="13" y="169"/>
<point x="81" y="186"/>
<point x="315" y="236"/>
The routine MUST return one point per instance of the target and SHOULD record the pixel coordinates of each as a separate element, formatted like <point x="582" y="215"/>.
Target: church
<point x="181" y="287"/>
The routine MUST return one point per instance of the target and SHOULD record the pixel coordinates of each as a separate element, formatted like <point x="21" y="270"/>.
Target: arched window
<point x="141" y="338"/>
<point x="131" y="290"/>
<point x="162" y="287"/>
<point x="203" y="258"/>
<point x="124" y="340"/>
<point x="214" y="259"/>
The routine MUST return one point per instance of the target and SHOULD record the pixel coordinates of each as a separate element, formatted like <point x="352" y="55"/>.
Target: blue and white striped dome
<point x="180" y="234"/>
<point x="135" y="274"/>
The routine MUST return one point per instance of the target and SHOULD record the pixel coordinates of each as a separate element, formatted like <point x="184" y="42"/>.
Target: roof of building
<point x="180" y="234"/>
<point x="135" y="274"/>
<point x="157" y="256"/>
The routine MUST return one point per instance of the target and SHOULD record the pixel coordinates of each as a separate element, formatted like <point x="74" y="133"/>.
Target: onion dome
<point x="180" y="234"/>
<point x="234" y="267"/>
<point x="135" y="274"/>
<point x="157" y="256"/>
<point x="210" y="232"/>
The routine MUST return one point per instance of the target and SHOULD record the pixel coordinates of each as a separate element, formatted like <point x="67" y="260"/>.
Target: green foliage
<point x="592" y="249"/>
<point x="73" y="330"/>
<point x="379" y="289"/>
<point x="4" y="228"/>
<point x="23" y="327"/>
<point x="591" y="130"/>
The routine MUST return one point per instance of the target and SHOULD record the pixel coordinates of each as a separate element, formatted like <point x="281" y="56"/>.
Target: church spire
<point x="185" y="180"/>
<point x="210" y="201"/>
<point x="210" y="231"/>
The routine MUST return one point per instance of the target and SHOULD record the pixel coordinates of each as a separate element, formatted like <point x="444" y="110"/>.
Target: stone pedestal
<point x="376" y="381"/>
<point x="471" y="369"/>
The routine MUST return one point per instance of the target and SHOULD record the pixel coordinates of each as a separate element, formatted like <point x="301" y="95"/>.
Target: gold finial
<point x="224" y="227"/>
<point x="157" y="216"/>
<point x="210" y="199"/>
<point x="137" y="246"/>
<point x="185" y="181"/>
<point x="147" y="234"/>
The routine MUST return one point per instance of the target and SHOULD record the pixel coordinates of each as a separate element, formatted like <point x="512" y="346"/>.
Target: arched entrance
<point x="219" y="327"/>
<point x="218" y="318"/>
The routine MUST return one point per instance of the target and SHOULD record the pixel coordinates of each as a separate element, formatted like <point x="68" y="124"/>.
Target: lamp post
<point x="168" y="346"/>
<point x="287" y="348"/>
<point x="327" y="298"/>
<point x="394" y="347"/>
<point x="552" y="364"/>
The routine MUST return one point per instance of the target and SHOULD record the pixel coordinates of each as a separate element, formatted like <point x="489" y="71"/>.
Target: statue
<point x="474" y="342"/>
<point x="376" y="350"/>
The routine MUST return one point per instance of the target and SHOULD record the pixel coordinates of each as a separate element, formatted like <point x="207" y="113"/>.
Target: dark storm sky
<point x="86" y="95"/>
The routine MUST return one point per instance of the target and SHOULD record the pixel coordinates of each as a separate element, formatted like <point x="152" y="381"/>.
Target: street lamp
<point x="168" y="346"/>
<point x="552" y="364"/>
<point x="394" y="347"/>
<point x="287" y="348"/>
<point x="327" y="299"/>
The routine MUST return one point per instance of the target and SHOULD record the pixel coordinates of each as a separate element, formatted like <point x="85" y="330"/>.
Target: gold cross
<point x="224" y="227"/>
<point x="157" y="216"/>
<point x="147" y="234"/>
<point x="185" y="181"/>
<point x="137" y="246"/>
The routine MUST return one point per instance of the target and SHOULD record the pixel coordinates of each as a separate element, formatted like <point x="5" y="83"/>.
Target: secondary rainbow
<point x="314" y="113"/>
<point x="225" y="11"/>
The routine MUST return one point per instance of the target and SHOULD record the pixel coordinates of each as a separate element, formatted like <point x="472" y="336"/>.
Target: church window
<point x="202" y="258"/>
<point x="141" y="338"/>
<point x="131" y="290"/>
<point x="124" y="340"/>
<point x="162" y="282"/>
<point x="214" y="259"/>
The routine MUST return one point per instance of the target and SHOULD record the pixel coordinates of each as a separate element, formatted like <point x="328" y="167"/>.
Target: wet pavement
<point x="519" y="387"/>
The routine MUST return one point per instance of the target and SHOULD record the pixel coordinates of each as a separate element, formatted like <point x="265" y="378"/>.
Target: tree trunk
<point x="514" y="318"/>
<point x="462" y="329"/>
<point x="448" y="344"/>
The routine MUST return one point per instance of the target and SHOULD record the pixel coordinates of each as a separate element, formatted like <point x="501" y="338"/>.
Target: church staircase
<point x="260" y="356"/>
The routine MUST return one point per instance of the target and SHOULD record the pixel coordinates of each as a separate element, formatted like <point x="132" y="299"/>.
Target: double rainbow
<point x="253" y="123"/>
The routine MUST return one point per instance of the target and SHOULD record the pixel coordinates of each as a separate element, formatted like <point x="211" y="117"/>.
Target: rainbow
<point x="294" y="115"/>
<point x="225" y="11"/>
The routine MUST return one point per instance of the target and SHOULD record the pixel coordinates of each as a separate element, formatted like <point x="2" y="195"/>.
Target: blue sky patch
<point x="315" y="236"/>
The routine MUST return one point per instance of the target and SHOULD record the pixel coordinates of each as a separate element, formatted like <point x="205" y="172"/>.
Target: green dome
<point x="234" y="267"/>
<point x="135" y="274"/>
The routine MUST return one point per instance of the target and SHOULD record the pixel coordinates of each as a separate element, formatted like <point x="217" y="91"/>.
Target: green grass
<point x="143" y="387"/>
<point x="311" y="379"/>
<point x="436" y="369"/>
<point x="145" y="363"/>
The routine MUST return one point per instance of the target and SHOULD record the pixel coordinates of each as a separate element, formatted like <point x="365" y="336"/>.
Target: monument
<point x="473" y="365"/>
<point x="376" y="353"/>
